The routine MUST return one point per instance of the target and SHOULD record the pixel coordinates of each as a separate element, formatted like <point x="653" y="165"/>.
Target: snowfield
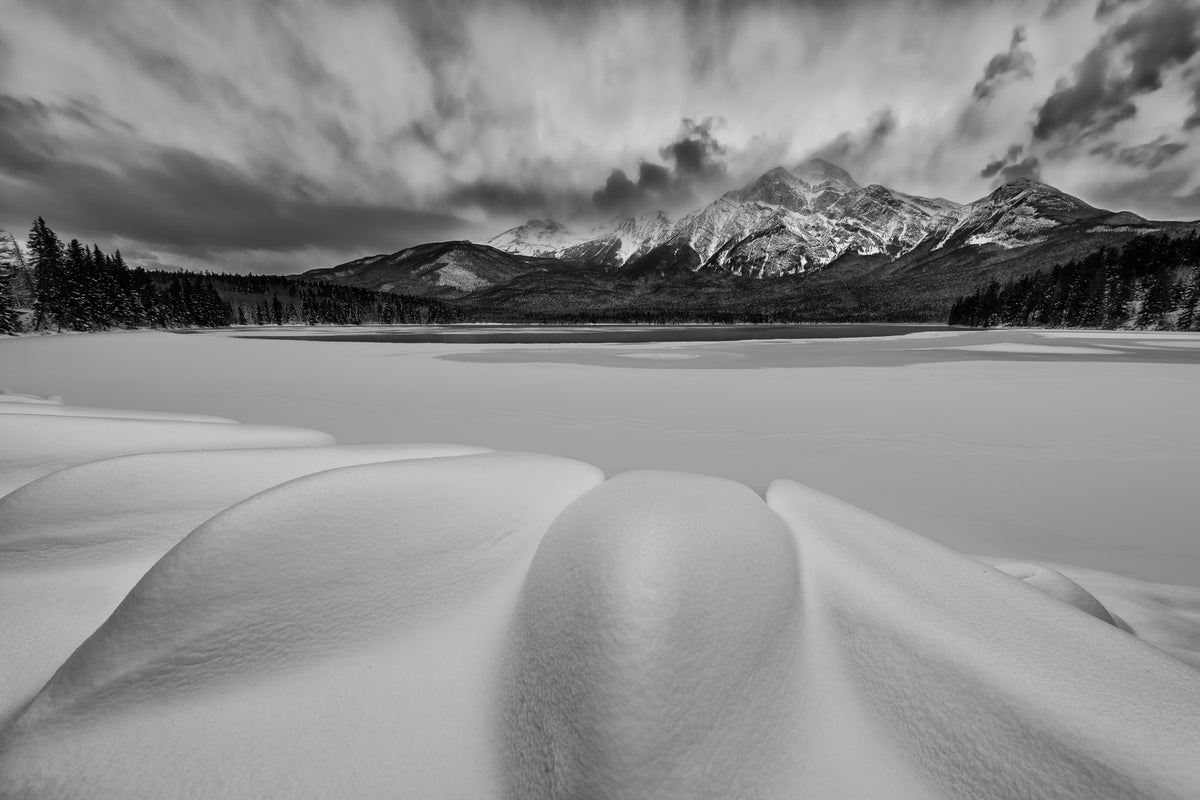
<point x="197" y="607"/>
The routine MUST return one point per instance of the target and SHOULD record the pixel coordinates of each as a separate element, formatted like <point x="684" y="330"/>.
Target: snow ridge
<point x="476" y="624"/>
<point x="793" y="221"/>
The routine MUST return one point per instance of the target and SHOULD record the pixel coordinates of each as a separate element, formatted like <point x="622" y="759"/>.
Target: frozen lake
<point x="598" y="334"/>
<point x="1073" y="447"/>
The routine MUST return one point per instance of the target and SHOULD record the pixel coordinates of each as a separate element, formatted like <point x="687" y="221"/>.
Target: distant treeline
<point x="84" y="289"/>
<point x="1152" y="282"/>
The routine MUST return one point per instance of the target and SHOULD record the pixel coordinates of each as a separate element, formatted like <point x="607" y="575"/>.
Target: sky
<point x="282" y="135"/>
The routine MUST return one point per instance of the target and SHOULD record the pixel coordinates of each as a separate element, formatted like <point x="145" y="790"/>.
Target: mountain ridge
<point x="842" y="248"/>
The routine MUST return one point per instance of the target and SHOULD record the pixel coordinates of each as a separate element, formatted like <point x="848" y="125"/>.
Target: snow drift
<point x="74" y="542"/>
<point x="289" y="620"/>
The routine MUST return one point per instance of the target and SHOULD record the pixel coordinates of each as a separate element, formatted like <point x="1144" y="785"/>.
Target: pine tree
<point x="46" y="255"/>
<point x="76" y="288"/>
<point x="9" y="321"/>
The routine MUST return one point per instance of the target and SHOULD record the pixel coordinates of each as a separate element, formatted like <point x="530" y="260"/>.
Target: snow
<point x="459" y="277"/>
<point x="37" y="443"/>
<point x="229" y="659"/>
<point x="74" y="542"/>
<point x="1043" y="349"/>
<point x="818" y="210"/>
<point x="653" y="646"/>
<point x="235" y="610"/>
<point x="1031" y="457"/>
<point x="1060" y="703"/>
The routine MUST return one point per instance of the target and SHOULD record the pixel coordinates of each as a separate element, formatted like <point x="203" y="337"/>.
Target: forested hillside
<point x="85" y="289"/>
<point x="1152" y="282"/>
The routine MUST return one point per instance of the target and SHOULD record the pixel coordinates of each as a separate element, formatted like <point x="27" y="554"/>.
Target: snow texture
<point x="35" y="444"/>
<point x="74" y="542"/>
<point x="436" y="621"/>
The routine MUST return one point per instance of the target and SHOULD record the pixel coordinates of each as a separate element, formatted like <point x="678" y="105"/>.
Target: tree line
<point x="1152" y="282"/>
<point x="77" y="288"/>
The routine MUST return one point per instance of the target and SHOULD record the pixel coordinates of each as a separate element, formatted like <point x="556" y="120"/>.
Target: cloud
<point x="618" y="194"/>
<point x="1148" y="156"/>
<point x="1193" y="77"/>
<point x="172" y="198"/>
<point x="696" y="159"/>
<point x="696" y="153"/>
<point x="1130" y="60"/>
<point x="1056" y="7"/>
<point x="1106" y="8"/>
<point x="853" y="149"/>
<point x="1016" y="62"/>
<point x="1012" y="166"/>
<point x="1165" y="194"/>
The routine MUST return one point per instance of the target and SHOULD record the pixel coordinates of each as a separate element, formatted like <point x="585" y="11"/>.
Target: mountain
<point x="790" y="222"/>
<point x="845" y="251"/>
<point x="443" y="269"/>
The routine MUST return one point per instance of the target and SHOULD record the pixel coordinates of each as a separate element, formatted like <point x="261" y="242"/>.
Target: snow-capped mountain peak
<point x="788" y="221"/>
<point x="818" y="170"/>
<point x="537" y="237"/>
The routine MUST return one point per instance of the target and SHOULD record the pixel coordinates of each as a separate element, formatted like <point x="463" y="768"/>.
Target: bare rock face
<point x="788" y="222"/>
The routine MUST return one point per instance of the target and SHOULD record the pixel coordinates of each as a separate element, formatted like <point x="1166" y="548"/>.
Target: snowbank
<point x="74" y="542"/>
<point x="435" y="621"/>
<point x="333" y="636"/>
<point x="36" y="444"/>
<point x="989" y="687"/>
<point x="654" y="647"/>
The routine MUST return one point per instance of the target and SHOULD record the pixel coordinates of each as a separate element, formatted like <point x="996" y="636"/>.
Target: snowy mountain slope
<point x="785" y="223"/>
<point x="538" y="237"/>
<point x="609" y="245"/>
<point x="788" y="222"/>
<point x="443" y="269"/>
<point x="1022" y="211"/>
<point x="794" y="221"/>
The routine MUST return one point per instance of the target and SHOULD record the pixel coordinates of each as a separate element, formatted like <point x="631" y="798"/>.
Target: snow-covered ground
<point x="198" y="607"/>
<point x="1015" y="451"/>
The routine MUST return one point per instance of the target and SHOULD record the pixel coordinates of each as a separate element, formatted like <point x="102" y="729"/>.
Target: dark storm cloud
<point x="501" y="197"/>
<point x="653" y="178"/>
<point x="1106" y="8"/>
<point x="177" y="199"/>
<point x="695" y="153"/>
<point x="695" y="156"/>
<point x="1012" y="166"/>
<point x="1148" y="156"/>
<point x="1056" y="7"/>
<point x="1193" y="77"/>
<point x="618" y="193"/>
<point x="1166" y="194"/>
<point x="1016" y="62"/>
<point x="1130" y="60"/>
<point x="850" y="149"/>
<point x="23" y="154"/>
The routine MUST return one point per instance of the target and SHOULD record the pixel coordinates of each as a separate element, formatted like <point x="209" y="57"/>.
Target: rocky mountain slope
<point x="442" y="269"/>
<point x="870" y="251"/>
<point x="795" y="221"/>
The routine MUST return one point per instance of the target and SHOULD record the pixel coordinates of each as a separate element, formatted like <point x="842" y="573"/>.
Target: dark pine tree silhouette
<point x="46" y="257"/>
<point x="9" y="321"/>
<point x="1151" y="282"/>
